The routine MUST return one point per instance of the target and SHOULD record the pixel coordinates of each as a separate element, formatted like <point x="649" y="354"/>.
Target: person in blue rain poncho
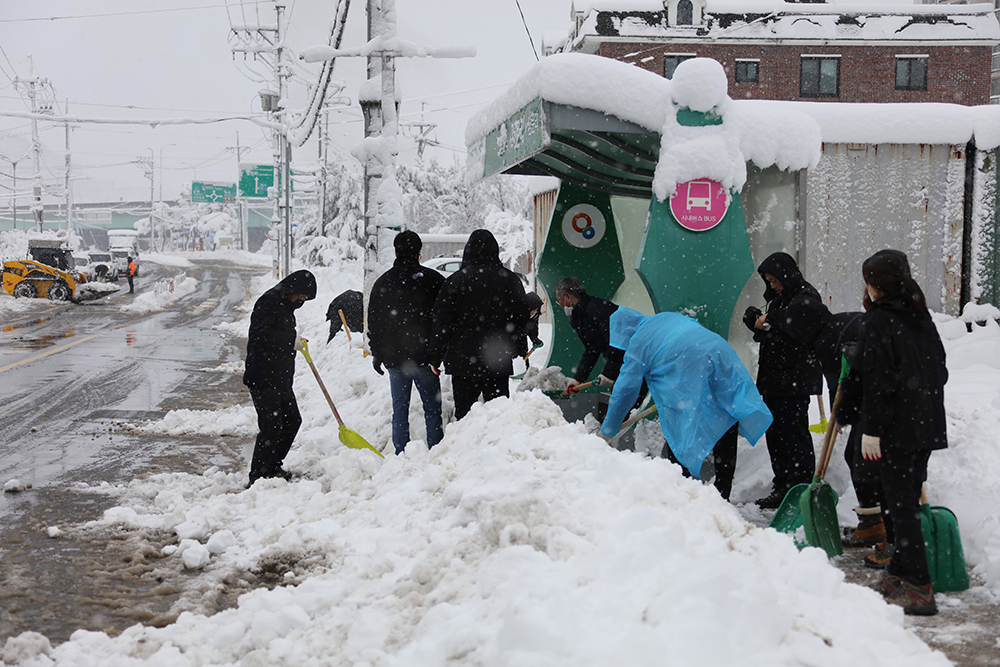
<point x="701" y="388"/>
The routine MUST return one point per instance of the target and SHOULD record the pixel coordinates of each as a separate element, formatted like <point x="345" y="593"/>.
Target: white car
<point x="103" y="267"/>
<point x="82" y="265"/>
<point x="444" y="265"/>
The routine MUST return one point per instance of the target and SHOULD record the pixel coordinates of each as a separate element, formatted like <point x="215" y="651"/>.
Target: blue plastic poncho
<point x="699" y="385"/>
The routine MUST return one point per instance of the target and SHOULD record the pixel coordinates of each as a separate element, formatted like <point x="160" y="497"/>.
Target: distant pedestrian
<point x="534" y="304"/>
<point x="788" y="373"/>
<point x="352" y="303"/>
<point x="270" y="369"/>
<point x="130" y="272"/>
<point x="400" y="310"/>
<point x="477" y="317"/>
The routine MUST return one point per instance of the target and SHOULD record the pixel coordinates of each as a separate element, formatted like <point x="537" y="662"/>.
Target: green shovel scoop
<point x="350" y="438"/>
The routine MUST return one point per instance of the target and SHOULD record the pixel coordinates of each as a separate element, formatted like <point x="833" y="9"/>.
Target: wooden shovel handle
<point x="631" y="420"/>
<point x="578" y="387"/>
<point x="828" y="440"/>
<point x="923" y="496"/>
<point x="822" y="408"/>
<point x="344" y="320"/>
<point x="326" y="393"/>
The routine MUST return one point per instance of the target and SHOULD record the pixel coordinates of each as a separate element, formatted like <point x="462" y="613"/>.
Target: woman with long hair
<point x="902" y="366"/>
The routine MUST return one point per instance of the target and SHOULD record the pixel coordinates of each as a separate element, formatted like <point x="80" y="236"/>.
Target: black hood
<point x="482" y="248"/>
<point x="782" y="266"/>
<point x="300" y="282"/>
<point x="532" y="301"/>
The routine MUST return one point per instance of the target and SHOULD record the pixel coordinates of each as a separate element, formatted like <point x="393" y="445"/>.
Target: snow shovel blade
<point x="819" y="517"/>
<point x="820" y="427"/>
<point x="945" y="557"/>
<point x="788" y="517"/>
<point x="353" y="440"/>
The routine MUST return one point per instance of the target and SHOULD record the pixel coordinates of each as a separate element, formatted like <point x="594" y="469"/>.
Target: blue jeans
<point x="429" y="387"/>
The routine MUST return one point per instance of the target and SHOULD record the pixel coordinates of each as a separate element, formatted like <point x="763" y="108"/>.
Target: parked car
<point x="103" y="266"/>
<point x="82" y="265"/>
<point x="444" y="265"/>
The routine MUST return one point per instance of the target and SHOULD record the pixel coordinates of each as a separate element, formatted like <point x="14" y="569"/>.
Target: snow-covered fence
<point x="168" y="286"/>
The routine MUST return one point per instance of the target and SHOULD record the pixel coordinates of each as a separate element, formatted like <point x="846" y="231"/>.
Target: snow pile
<point x="161" y="296"/>
<point x="94" y="290"/>
<point x="545" y="379"/>
<point x="237" y="420"/>
<point x="529" y="542"/>
<point x="14" y="486"/>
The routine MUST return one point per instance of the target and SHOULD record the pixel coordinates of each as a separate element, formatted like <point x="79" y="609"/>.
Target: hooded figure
<point x="788" y="372"/>
<point x="270" y="369"/>
<point x="477" y="317"/>
<point x="700" y="386"/>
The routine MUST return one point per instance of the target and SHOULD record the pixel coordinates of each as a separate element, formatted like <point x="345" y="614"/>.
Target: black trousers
<point x="724" y="456"/>
<point x="789" y="443"/>
<point x="467" y="389"/>
<point x="903" y="473"/>
<point x="279" y="420"/>
<point x="131" y="286"/>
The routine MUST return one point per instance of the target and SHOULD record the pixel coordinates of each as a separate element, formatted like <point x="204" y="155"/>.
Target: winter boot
<point x="870" y="530"/>
<point x="881" y="557"/>
<point x="915" y="600"/>
<point x="771" y="501"/>
<point x="888" y="585"/>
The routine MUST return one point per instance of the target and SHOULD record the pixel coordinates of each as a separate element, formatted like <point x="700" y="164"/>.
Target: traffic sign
<point x="211" y="193"/>
<point x="255" y="179"/>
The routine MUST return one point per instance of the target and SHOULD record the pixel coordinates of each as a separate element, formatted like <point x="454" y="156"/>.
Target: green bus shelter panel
<point x="697" y="273"/>
<point x="582" y="241"/>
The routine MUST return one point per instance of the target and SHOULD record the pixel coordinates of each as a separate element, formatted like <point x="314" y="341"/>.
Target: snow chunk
<point x="546" y="379"/>
<point x="15" y="486"/>
<point x="24" y="647"/>
<point x="194" y="554"/>
<point x="220" y="541"/>
<point x="53" y="531"/>
<point x="700" y="84"/>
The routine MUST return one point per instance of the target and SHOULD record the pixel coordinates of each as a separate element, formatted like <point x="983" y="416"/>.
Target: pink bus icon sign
<point x="699" y="205"/>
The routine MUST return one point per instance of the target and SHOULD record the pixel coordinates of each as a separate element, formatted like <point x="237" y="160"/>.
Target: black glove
<point x="750" y="317"/>
<point x="377" y="365"/>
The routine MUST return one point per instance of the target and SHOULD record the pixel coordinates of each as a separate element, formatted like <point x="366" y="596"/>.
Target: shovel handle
<point x="577" y="388"/>
<point x="319" y="380"/>
<point x="822" y="408"/>
<point x="631" y="420"/>
<point x="923" y="496"/>
<point x="344" y="321"/>
<point x="830" y="437"/>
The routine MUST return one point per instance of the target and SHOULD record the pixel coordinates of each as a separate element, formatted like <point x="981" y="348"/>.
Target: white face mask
<point x="871" y="294"/>
<point x="568" y="310"/>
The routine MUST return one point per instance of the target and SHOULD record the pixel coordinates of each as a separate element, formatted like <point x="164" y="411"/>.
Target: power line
<point x="112" y="14"/>
<point x="533" y="51"/>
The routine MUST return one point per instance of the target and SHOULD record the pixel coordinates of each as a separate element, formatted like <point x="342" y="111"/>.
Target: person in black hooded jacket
<point x="477" y="318"/>
<point x="399" y="333"/>
<point x="788" y="371"/>
<point x="901" y="363"/>
<point x="270" y="369"/>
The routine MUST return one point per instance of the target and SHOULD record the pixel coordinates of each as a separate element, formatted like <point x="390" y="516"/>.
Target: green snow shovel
<point x="347" y="436"/>
<point x="945" y="558"/>
<point x="814" y="506"/>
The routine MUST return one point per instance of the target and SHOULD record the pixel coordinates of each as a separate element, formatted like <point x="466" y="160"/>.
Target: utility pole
<point x="34" y="87"/>
<point x="147" y="165"/>
<point x="69" y="192"/>
<point x="324" y="171"/>
<point x="243" y="214"/>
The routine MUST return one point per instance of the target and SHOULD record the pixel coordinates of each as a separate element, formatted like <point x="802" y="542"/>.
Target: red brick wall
<point x="956" y="74"/>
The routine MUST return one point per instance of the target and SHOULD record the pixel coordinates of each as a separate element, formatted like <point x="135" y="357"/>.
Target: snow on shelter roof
<point x="788" y="135"/>
<point x="752" y="20"/>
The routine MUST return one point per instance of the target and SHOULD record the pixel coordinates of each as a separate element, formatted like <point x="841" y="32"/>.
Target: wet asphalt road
<point x="71" y="377"/>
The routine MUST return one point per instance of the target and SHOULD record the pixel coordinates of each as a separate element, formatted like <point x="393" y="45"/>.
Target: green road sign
<point x="255" y="179"/>
<point x="203" y="192"/>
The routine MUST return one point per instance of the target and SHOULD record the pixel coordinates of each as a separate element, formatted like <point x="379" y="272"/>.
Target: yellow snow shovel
<point x="347" y="436"/>
<point x="821" y="426"/>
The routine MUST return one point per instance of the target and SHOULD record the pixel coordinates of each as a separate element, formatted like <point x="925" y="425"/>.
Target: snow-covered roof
<point x="755" y="20"/>
<point x="788" y="135"/>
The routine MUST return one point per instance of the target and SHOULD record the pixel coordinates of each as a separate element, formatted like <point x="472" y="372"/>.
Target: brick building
<point x="807" y="52"/>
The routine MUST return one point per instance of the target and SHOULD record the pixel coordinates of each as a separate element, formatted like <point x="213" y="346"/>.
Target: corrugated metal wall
<point x="865" y="197"/>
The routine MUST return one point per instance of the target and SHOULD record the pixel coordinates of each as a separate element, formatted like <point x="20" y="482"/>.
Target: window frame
<point x="820" y="59"/>
<point x="746" y="61"/>
<point x="681" y="57"/>
<point x="909" y="59"/>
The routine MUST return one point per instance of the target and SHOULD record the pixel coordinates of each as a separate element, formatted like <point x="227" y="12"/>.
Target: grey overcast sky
<point x="141" y="59"/>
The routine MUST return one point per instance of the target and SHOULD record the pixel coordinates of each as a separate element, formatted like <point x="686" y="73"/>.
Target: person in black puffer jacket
<point x="789" y="372"/>
<point x="477" y="319"/>
<point x="399" y="333"/>
<point x="270" y="370"/>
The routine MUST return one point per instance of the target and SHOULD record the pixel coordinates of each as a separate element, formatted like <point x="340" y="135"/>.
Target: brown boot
<point x="915" y="600"/>
<point x="881" y="557"/>
<point x="888" y="585"/>
<point x="870" y="530"/>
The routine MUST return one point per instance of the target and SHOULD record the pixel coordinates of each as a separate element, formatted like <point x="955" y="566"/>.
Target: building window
<point x="820" y="77"/>
<point x="685" y="12"/>
<point x="670" y="63"/>
<point x="911" y="73"/>
<point x="747" y="71"/>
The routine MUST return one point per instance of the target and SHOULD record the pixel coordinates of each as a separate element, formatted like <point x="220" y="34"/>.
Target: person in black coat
<point x="590" y="317"/>
<point x="534" y="304"/>
<point x="352" y="303"/>
<point x="399" y="333"/>
<point x="270" y="369"/>
<point x="788" y="371"/>
<point x="477" y="316"/>
<point x="901" y="363"/>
